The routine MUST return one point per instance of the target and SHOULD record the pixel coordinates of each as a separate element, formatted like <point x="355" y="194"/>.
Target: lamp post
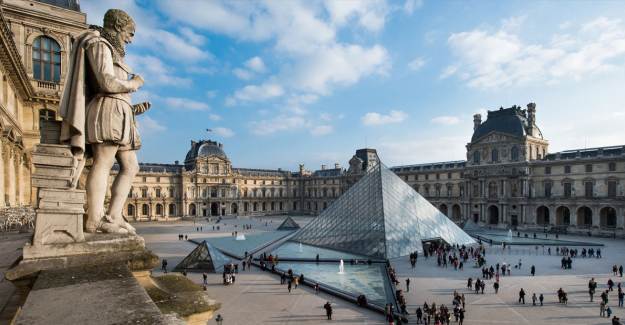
<point x="219" y="319"/>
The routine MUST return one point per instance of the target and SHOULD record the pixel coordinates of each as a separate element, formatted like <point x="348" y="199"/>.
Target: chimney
<point x="323" y="167"/>
<point x="176" y="162"/>
<point x="531" y="113"/>
<point x="477" y="121"/>
<point x="337" y="165"/>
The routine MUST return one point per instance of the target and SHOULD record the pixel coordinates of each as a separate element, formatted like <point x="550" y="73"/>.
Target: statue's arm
<point x="101" y="61"/>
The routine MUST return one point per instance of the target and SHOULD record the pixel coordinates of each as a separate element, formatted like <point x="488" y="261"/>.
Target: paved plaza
<point x="258" y="298"/>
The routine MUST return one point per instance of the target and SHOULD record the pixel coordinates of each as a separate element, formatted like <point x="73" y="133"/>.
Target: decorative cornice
<point x="12" y="61"/>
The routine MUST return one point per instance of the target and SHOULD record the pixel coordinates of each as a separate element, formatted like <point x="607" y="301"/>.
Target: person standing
<point x="533" y="270"/>
<point x="621" y="297"/>
<point x="164" y="266"/>
<point x="328" y="309"/>
<point x="592" y="285"/>
<point x="496" y="286"/>
<point x="461" y="316"/>
<point x="407" y="284"/>
<point x="541" y="298"/>
<point x="419" y="313"/>
<point x="522" y="296"/>
<point x="534" y="299"/>
<point x="205" y="278"/>
<point x="289" y="285"/>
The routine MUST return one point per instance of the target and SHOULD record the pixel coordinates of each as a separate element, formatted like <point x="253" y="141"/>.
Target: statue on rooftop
<point x="99" y="119"/>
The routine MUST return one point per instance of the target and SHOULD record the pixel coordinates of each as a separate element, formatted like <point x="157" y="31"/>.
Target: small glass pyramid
<point x="288" y="224"/>
<point x="204" y="258"/>
<point x="382" y="217"/>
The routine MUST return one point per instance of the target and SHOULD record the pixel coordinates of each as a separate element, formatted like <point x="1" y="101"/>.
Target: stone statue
<point x="99" y="119"/>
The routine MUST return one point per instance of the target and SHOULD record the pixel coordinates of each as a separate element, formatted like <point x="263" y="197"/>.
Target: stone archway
<point x="192" y="210"/>
<point x="234" y="208"/>
<point x="563" y="216"/>
<point x="456" y="212"/>
<point x="493" y="215"/>
<point x="214" y="209"/>
<point x="607" y="217"/>
<point x="584" y="217"/>
<point x="542" y="215"/>
<point x="131" y="210"/>
<point x="443" y="208"/>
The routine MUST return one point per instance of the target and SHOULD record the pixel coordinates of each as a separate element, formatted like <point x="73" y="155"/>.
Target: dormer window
<point x="476" y="157"/>
<point x="495" y="155"/>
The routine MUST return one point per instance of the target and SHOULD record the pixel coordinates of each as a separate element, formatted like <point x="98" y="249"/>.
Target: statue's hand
<point x="137" y="80"/>
<point x="141" y="108"/>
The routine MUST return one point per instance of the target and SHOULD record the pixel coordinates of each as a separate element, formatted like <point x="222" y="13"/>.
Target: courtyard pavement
<point x="258" y="298"/>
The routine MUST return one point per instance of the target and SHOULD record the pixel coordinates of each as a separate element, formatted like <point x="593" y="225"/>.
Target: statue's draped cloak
<point x="95" y="105"/>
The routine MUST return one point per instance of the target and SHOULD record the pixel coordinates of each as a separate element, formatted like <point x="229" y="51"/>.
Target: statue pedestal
<point x="59" y="241"/>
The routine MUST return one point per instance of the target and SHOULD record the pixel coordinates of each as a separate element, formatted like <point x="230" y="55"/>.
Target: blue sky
<point x="288" y="82"/>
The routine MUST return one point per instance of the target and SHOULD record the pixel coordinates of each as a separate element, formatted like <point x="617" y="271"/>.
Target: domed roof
<point x="512" y="121"/>
<point x="211" y="149"/>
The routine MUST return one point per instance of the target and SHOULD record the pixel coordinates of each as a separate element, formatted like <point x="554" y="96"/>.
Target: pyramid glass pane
<point x="203" y="258"/>
<point x="252" y="242"/>
<point x="288" y="224"/>
<point x="382" y="217"/>
<point x="353" y="223"/>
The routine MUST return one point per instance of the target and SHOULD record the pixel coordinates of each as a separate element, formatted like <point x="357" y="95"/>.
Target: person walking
<point x="602" y="309"/>
<point x="419" y="313"/>
<point x="205" y="278"/>
<point x="533" y="270"/>
<point x="592" y="285"/>
<point x="541" y="298"/>
<point x="534" y="299"/>
<point x="328" y="309"/>
<point x="407" y="284"/>
<point x="621" y="297"/>
<point x="496" y="286"/>
<point x="522" y="296"/>
<point x="461" y="316"/>
<point x="164" y="266"/>
<point x="289" y="285"/>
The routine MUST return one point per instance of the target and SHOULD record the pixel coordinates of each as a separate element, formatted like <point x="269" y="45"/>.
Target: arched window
<point x="145" y="209"/>
<point x="476" y="157"/>
<point x="495" y="155"/>
<point x="46" y="59"/>
<point x="131" y="210"/>
<point x="514" y="153"/>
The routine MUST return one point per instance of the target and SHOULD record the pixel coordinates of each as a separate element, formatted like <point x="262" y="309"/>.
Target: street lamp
<point x="219" y="319"/>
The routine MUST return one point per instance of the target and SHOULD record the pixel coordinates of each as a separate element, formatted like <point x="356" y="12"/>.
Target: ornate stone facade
<point x="508" y="180"/>
<point x="27" y="99"/>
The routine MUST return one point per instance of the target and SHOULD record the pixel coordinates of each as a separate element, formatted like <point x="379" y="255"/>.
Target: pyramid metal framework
<point x="205" y="257"/>
<point x="288" y="224"/>
<point x="382" y="217"/>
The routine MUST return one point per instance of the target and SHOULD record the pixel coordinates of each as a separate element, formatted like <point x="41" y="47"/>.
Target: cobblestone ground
<point x="258" y="298"/>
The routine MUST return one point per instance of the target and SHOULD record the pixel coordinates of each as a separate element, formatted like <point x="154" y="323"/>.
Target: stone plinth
<point x="97" y="249"/>
<point x="59" y="208"/>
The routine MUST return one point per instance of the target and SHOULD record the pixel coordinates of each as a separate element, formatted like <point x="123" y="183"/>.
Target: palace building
<point x="508" y="180"/>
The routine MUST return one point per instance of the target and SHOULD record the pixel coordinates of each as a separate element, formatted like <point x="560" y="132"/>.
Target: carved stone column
<point x="19" y="198"/>
<point x="9" y="175"/>
<point x="2" y="175"/>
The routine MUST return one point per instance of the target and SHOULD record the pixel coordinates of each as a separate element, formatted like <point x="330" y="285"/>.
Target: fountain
<point x="301" y="249"/>
<point x="509" y="238"/>
<point x="240" y="237"/>
<point x="341" y="268"/>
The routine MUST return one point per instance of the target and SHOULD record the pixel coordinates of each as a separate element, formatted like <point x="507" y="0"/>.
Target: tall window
<point x="588" y="189"/>
<point x="611" y="189"/>
<point x="547" y="189"/>
<point x="46" y="59"/>
<point x="567" y="190"/>
<point x="495" y="155"/>
<point x="476" y="157"/>
<point x="514" y="153"/>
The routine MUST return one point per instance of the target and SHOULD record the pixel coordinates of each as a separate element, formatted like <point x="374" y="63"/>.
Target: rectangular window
<point x="438" y="176"/>
<point x="611" y="189"/>
<point x="567" y="190"/>
<point x="612" y="166"/>
<point x="548" y="170"/>
<point x="144" y="192"/>
<point x="567" y="169"/>
<point x="158" y="192"/>
<point x="448" y="175"/>
<point x="589" y="168"/>
<point x="588" y="189"/>
<point x="548" y="189"/>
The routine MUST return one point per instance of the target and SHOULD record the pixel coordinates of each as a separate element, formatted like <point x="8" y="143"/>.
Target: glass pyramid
<point x="288" y="224"/>
<point x="382" y="217"/>
<point x="205" y="257"/>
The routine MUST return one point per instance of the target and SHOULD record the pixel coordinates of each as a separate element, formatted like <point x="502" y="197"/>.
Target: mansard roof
<point x="328" y="172"/>
<point x="512" y="121"/>
<point x="261" y="172"/>
<point x="65" y="4"/>
<point x="430" y="166"/>
<point x="599" y="152"/>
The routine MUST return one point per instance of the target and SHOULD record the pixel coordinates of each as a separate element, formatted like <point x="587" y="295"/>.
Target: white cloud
<point x="243" y="74"/>
<point x="185" y="104"/>
<point x="321" y="130"/>
<point x="256" y="64"/>
<point x="416" y="64"/>
<point x="277" y="124"/>
<point x="214" y="117"/>
<point x="223" y="132"/>
<point x="371" y="14"/>
<point x="373" y="118"/>
<point x="260" y="92"/>
<point x="411" y="5"/>
<point x="192" y="36"/>
<point x="494" y="59"/>
<point x="446" y="120"/>
<point x="148" y="125"/>
<point x="154" y="71"/>
<point x="211" y="94"/>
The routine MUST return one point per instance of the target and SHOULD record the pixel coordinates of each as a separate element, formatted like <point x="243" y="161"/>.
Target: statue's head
<point x="119" y="24"/>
